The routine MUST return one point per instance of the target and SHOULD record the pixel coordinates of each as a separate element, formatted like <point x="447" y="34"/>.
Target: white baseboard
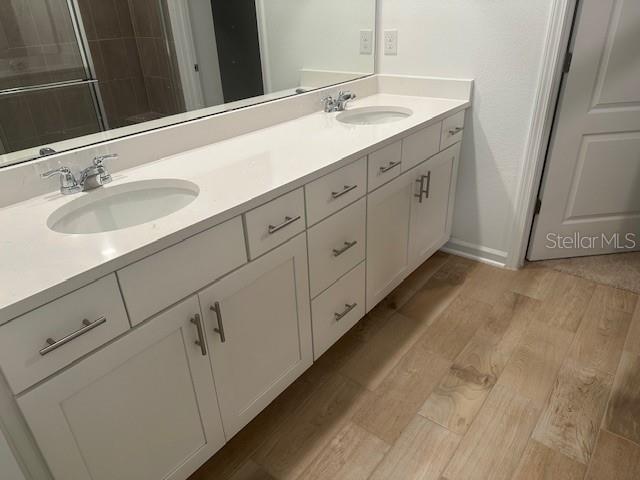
<point x="490" y="256"/>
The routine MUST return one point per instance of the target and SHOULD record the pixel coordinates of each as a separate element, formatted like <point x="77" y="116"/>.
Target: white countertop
<point x="38" y="265"/>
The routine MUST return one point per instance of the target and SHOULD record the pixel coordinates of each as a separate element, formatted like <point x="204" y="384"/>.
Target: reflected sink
<point x="122" y="206"/>
<point x="374" y="115"/>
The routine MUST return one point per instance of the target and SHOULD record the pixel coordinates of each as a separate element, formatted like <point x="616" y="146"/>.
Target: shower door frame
<point x="87" y="61"/>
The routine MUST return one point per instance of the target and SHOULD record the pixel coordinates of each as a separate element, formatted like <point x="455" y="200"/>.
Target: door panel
<point x="429" y="217"/>
<point x="265" y="314"/>
<point x="590" y="190"/>
<point x="143" y="408"/>
<point x="388" y="212"/>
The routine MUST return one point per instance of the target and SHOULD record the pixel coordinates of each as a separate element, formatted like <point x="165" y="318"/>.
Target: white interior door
<point x="591" y="189"/>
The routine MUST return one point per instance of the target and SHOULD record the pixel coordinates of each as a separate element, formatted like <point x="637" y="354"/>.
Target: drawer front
<point x="336" y="245"/>
<point x="43" y="341"/>
<point x="337" y="310"/>
<point x="384" y="165"/>
<point x="421" y="145"/>
<point x="275" y="222"/>
<point x="452" y="130"/>
<point x="332" y="192"/>
<point x="163" y="279"/>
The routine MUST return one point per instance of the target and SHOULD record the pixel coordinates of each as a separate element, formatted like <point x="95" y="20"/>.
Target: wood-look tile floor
<point x="464" y="372"/>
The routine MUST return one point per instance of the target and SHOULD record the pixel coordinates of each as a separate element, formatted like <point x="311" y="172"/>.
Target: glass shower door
<point x="47" y="90"/>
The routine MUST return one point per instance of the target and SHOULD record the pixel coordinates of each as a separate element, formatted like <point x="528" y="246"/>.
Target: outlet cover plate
<point x="366" y="42"/>
<point x="390" y="42"/>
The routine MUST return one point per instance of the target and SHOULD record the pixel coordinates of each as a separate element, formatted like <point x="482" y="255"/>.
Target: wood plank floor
<point x="464" y="372"/>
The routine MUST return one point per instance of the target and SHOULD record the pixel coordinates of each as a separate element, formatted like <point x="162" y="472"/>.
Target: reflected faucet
<point x="338" y="104"/>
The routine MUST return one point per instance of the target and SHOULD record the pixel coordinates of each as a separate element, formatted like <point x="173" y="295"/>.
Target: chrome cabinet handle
<point x="420" y="182"/>
<point x="197" y="321"/>
<point x="423" y="191"/>
<point x="427" y="193"/>
<point x="347" y="310"/>
<point x="455" y="131"/>
<point x="347" y="246"/>
<point x="347" y="189"/>
<point x="220" y="328"/>
<point x="391" y="166"/>
<point x="53" y="344"/>
<point x="287" y="221"/>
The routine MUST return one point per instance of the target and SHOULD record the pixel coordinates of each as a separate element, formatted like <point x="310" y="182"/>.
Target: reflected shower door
<point x="47" y="91"/>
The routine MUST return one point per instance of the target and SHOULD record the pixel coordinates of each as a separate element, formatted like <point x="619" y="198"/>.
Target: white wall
<point x="314" y="35"/>
<point x="498" y="43"/>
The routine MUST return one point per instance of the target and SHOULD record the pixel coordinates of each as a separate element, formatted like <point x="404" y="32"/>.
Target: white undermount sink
<point x="121" y="206"/>
<point x="374" y="115"/>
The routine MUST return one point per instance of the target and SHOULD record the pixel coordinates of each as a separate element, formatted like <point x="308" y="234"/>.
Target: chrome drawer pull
<point x="455" y="131"/>
<point x="347" y="310"/>
<point x="346" y="190"/>
<point x="287" y="221"/>
<point x="53" y="344"/>
<point x="347" y="245"/>
<point x="391" y="166"/>
<point x="197" y="321"/>
<point x="220" y="328"/>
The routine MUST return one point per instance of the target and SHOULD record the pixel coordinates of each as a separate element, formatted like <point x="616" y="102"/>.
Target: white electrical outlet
<point x="390" y="42"/>
<point x="366" y="42"/>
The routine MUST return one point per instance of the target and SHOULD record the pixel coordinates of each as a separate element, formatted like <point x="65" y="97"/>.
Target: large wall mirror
<point x="78" y="72"/>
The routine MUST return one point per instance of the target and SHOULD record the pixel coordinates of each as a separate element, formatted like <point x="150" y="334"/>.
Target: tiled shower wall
<point x="129" y="51"/>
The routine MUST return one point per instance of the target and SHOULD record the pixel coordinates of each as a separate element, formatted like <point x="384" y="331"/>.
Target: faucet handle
<point x="98" y="161"/>
<point x="68" y="182"/>
<point x="57" y="171"/>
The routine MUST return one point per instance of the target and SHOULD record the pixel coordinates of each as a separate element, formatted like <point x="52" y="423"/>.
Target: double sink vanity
<point x="203" y="284"/>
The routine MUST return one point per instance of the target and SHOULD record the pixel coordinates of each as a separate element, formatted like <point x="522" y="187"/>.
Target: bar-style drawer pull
<point x="220" y="328"/>
<point x="347" y="189"/>
<point x="347" y="246"/>
<point x="345" y="312"/>
<point x="287" y="221"/>
<point x="201" y="342"/>
<point x="455" y="131"/>
<point x="53" y="344"/>
<point x="391" y="166"/>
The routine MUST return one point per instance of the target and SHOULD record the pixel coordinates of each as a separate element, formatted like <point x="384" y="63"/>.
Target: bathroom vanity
<point x="137" y="353"/>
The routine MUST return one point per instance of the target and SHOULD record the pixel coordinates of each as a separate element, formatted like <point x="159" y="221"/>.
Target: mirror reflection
<point x="71" y="70"/>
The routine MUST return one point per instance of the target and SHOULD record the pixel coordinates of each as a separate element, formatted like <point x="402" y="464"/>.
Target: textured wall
<point x="499" y="43"/>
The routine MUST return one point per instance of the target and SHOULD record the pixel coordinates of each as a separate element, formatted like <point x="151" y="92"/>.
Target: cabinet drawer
<point x="384" y="165"/>
<point x="452" y="130"/>
<point x="79" y="322"/>
<point x="275" y="222"/>
<point x="332" y="192"/>
<point x="338" y="309"/>
<point x="336" y="245"/>
<point x="163" y="279"/>
<point x="421" y="145"/>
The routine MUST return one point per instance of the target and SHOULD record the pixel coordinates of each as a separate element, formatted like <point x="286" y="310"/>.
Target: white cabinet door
<point x="388" y="211"/>
<point x="259" y="329"/>
<point x="430" y="205"/>
<point x="144" y="408"/>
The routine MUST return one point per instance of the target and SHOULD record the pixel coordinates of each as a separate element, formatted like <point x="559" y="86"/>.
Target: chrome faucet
<point x="338" y="104"/>
<point x="91" y="177"/>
